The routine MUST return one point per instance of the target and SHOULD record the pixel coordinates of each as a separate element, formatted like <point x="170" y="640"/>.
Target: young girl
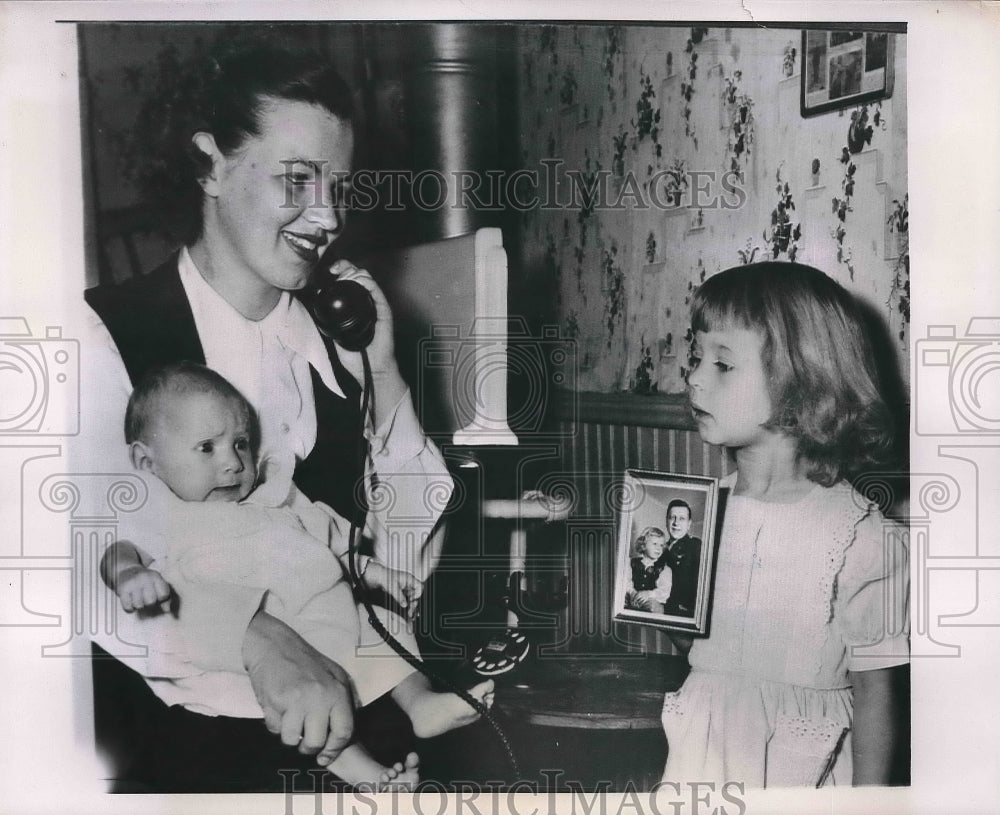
<point x="651" y="579"/>
<point x="793" y="686"/>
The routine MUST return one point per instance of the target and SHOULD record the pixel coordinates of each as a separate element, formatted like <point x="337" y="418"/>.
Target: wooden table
<point x="593" y="693"/>
<point x="594" y="720"/>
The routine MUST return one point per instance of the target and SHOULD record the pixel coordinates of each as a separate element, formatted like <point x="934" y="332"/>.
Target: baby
<point x="651" y="580"/>
<point x="193" y="430"/>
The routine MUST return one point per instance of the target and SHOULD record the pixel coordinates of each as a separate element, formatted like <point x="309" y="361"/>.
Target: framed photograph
<point x="845" y="68"/>
<point x="666" y="550"/>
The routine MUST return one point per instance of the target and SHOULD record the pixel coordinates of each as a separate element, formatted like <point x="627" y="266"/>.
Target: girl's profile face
<point x="279" y="197"/>
<point x="727" y="387"/>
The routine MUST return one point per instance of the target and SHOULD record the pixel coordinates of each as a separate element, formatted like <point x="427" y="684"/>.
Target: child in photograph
<point x="189" y="427"/>
<point x="682" y="558"/>
<point x="651" y="579"/>
<point x="794" y="684"/>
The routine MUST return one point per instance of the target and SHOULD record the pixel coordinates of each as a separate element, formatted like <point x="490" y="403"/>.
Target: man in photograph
<point x="683" y="557"/>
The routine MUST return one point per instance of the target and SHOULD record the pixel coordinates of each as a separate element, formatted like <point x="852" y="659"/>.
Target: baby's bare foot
<point x="357" y="767"/>
<point x="435" y="713"/>
<point x="401" y="777"/>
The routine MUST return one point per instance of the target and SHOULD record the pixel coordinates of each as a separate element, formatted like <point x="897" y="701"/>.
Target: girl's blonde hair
<point x="640" y="542"/>
<point x="818" y="359"/>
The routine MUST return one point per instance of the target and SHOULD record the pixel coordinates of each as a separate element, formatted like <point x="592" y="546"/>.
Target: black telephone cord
<point x="368" y="412"/>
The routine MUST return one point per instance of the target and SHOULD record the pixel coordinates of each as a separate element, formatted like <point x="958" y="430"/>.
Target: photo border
<point x="635" y="483"/>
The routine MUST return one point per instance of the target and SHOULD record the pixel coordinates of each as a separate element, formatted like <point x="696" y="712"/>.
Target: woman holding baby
<point x="252" y="152"/>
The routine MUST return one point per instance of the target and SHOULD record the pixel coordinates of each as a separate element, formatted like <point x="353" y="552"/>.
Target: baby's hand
<point x="139" y="587"/>
<point x="401" y="586"/>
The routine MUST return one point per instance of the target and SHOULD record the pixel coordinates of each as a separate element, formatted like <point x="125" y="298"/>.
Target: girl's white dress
<point x="803" y="593"/>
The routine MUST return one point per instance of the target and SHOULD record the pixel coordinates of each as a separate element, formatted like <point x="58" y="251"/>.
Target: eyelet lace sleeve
<point x="870" y="602"/>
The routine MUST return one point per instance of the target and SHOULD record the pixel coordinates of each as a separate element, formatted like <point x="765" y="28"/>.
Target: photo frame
<point x="845" y="68"/>
<point x="664" y="562"/>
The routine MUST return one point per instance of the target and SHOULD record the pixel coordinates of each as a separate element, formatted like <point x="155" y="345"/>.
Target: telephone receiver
<point x="344" y="310"/>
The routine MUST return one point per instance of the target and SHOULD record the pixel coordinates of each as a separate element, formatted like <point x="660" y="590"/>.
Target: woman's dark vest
<point x="151" y="322"/>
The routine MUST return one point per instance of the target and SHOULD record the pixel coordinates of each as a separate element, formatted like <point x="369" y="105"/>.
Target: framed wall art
<point x="845" y="68"/>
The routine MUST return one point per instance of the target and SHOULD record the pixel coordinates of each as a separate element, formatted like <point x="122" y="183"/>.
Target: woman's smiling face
<point x="278" y="199"/>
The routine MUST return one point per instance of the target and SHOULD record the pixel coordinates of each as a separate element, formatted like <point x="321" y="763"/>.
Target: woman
<point x="252" y="151"/>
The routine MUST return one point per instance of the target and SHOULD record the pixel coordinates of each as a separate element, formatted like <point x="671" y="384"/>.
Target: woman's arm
<point x="306" y="698"/>
<point x="414" y="488"/>
<point x="876" y="712"/>
<point x="408" y="464"/>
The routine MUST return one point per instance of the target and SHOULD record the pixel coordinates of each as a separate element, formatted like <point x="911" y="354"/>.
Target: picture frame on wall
<point x="845" y="68"/>
<point x="665" y="551"/>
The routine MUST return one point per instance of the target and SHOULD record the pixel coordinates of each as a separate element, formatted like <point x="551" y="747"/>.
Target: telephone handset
<point x="344" y="311"/>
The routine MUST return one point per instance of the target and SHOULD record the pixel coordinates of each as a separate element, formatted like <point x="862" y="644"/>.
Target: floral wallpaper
<point x="678" y="152"/>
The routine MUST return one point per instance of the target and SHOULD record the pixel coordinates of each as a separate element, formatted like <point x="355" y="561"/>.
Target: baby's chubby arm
<point x="324" y="523"/>
<point x="400" y="585"/>
<point x="127" y="573"/>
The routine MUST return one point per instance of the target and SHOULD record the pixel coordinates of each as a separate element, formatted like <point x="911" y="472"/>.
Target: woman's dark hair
<point x="222" y="93"/>
<point x="818" y="359"/>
